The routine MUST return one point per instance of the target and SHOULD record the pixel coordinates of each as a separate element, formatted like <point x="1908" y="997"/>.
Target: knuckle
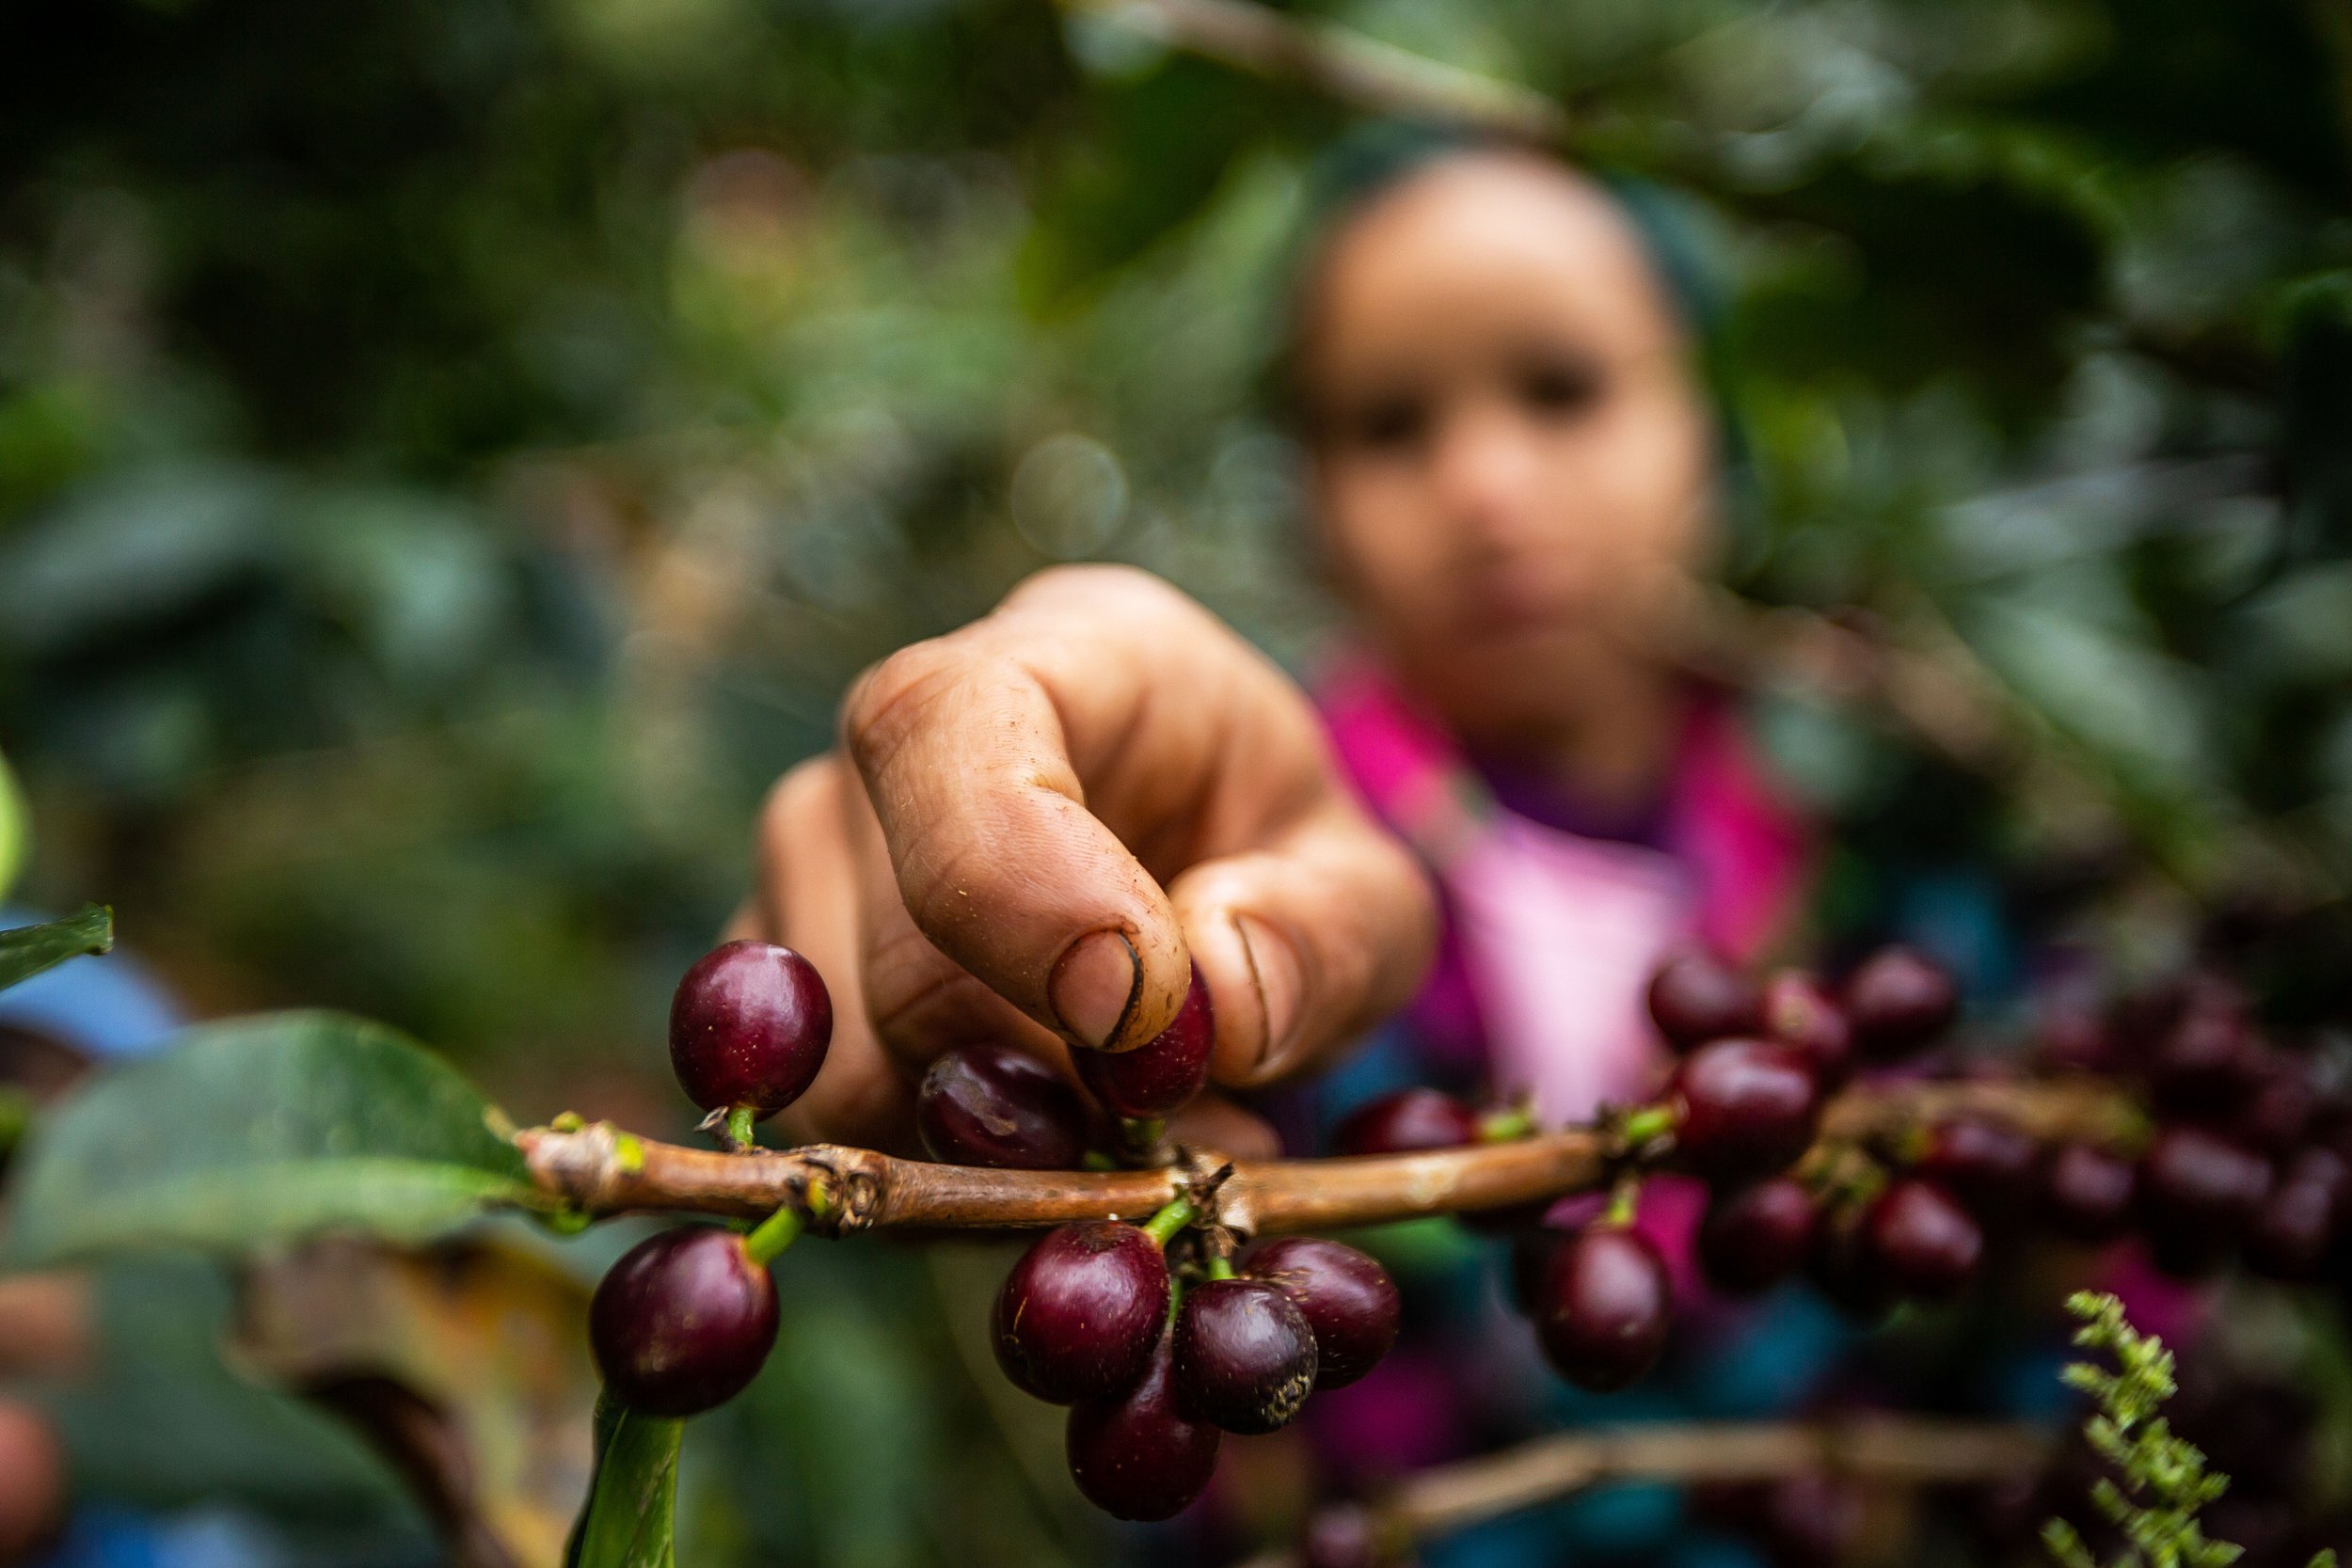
<point x="894" y="699"/>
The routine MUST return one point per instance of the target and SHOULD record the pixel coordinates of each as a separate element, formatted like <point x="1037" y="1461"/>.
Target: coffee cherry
<point x="1897" y="1002"/>
<point x="1158" y="1077"/>
<point x="2280" y="1108"/>
<point x="1754" y="1237"/>
<point x="1245" y="1355"/>
<point x="1341" y="1536"/>
<point x="1135" y="1454"/>
<point x="1746" y="1108"/>
<point x="2198" y="1191"/>
<point x="1696" y="998"/>
<point x="2296" y="1230"/>
<point x="1348" y="1300"/>
<point x="683" y="1322"/>
<point x="1606" y="1308"/>
<point x="1843" y="1268"/>
<point x="2208" y="1063"/>
<point x="1406" y="1122"/>
<point x="1800" y="1015"/>
<point x="1921" y="1240"/>
<point x="993" y="1105"/>
<point x="2086" y="1192"/>
<point x="1080" y="1312"/>
<point x="1988" y="1165"/>
<point x="749" y="1027"/>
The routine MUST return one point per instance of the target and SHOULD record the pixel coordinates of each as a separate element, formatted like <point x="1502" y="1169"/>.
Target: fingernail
<point x="1281" y="985"/>
<point x="1094" y="987"/>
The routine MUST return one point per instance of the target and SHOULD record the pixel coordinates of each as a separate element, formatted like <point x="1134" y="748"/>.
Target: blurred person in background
<point x="1516" y="471"/>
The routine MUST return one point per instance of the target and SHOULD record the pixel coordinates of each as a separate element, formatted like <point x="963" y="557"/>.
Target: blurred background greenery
<point x="452" y="455"/>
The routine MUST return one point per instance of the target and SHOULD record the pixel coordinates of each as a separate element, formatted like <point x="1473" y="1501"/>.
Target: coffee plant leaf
<point x="13" y="833"/>
<point x="26" y="950"/>
<point x="258" y="1131"/>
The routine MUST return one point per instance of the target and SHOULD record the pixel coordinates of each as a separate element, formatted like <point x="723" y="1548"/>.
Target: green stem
<point x="630" y="1503"/>
<point x="1142" y="1133"/>
<point x="1220" y="1268"/>
<point x="740" y="1120"/>
<point x="1647" y="1124"/>
<point x="1095" y="1159"/>
<point x="1507" y="1125"/>
<point x="773" y="1234"/>
<point x="1178" y="1214"/>
<point x="1624" y="1198"/>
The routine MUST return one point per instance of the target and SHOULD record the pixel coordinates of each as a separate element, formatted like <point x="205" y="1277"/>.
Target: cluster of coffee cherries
<point x="685" y="1319"/>
<point x="1741" y="1109"/>
<point x="1149" y="1333"/>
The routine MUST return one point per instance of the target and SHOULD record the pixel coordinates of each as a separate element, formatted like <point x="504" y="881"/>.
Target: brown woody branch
<point x="1902" y="1449"/>
<point x="601" y="1170"/>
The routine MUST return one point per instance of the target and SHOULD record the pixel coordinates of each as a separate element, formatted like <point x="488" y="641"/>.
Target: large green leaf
<point x="257" y="1130"/>
<point x="26" y="950"/>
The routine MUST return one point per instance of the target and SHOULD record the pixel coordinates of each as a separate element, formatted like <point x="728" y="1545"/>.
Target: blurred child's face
<point x="1510" y="459"/>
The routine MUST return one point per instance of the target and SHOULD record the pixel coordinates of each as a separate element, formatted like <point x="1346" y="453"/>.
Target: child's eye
<point x="1391" y="423"/>
<point x="1560" y="386"/>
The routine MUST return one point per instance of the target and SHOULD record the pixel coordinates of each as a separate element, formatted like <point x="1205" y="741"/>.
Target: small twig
<point x="600" y="1169"/>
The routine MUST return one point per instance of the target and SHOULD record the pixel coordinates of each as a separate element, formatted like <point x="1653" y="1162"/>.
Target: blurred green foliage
<point x="452" y="455"/>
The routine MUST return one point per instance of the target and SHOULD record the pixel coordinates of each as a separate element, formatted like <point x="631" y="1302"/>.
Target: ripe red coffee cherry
<point x="1746" y="1108"/>
<point x="1921" y="1240"/>
<point x="1800" y="1014"/>
<point x="682" y="1322"/>
<point x="2208" y="1063"/>
<point x="1160" y="1076"/>
<point x="748" y="1027"/>
<point x="1607" y="1306"/>
<point x="1898" y="1001"/>
<point x="1348" y="1298"/>
<point x="1988" y="1165"/>
<point x="1754" y="1237"/>
<point x="1406" y="1122"/>
<point x="1135" y="1454"/>
<point x="1696" y="997"/>
<point x="2086" y="1192"/>
<point x="1245" y="1355"/>
<point x="993" y="1105"/>
<point x="2198" y="1191"/>
<point x="2300" y="1226"/>
<point x="1080" y="1312"/>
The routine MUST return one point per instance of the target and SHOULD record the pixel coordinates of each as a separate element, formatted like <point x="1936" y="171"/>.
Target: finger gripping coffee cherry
<point x="1406" y="1122"/>
<point x="2086" y="1192"/>
<point x="1921" y="1240"/>
<point x="748" y="1027"/>
<point x="1696" y="997"/>
<point x="682" y="1322"/>
<point x="1080" y="1312"/>
<point x="1348" y="1300"/>
<point x="1898" y="1001"/>
<point x="1757" y="1236"/>
<point x="993" y="1105"/>
<point x="1800" y="1014"/>
<point x="1607" y="1306"/>
<point x="1160" y="1076"/>
<point x="1245" y="1355"/>
<point x="1135" y="1454"/>
<point x="1746" y="1108"/>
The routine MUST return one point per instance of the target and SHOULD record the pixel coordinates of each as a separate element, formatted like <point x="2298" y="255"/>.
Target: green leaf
<point x="259" y="1130"/>
<point x="632" y="1502"/>
<point x="27" y="950"/>
<point x="13" y="831"/>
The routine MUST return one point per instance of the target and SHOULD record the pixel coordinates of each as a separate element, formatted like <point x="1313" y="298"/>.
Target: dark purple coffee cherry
<point x="1245" y="1355"/>
<point x="1989" y="1165"/>
<point x="1406" y="1122"/>
<point x="2198" y="1193"/>
<point x="1606" y="1309"/>
<point x="2279" y="1109"/>
<point x="2296" y="1232"/>
<point x="1754" y="1237"/>
<point x="2086" y="1192"/>
<point x="2209" y="1062"/>
<point x="1844" y="1269"/>
<point x="2072" y="1037"/>
<point x="1080" y="1312"/>
<point x="1921" y="1240"/>
<point x="993" y="1105"/>
<point x="1341" y="1536"/>
<point x="1696" y="997"/>
<point x="1746" y="1108"/>
<point x="1160" y="1076"/>
<point x="683" y="1322"/>
<point x="1135" y="1454"/>
<point x="749" y="1027"/>
<point x="1898" y="1002"/>
<point x="1348" y="1300"/>
<point x="1800" y="1014"/>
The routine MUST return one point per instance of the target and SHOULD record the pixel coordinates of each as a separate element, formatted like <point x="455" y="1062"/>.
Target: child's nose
<point x="1487" y="472"/>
